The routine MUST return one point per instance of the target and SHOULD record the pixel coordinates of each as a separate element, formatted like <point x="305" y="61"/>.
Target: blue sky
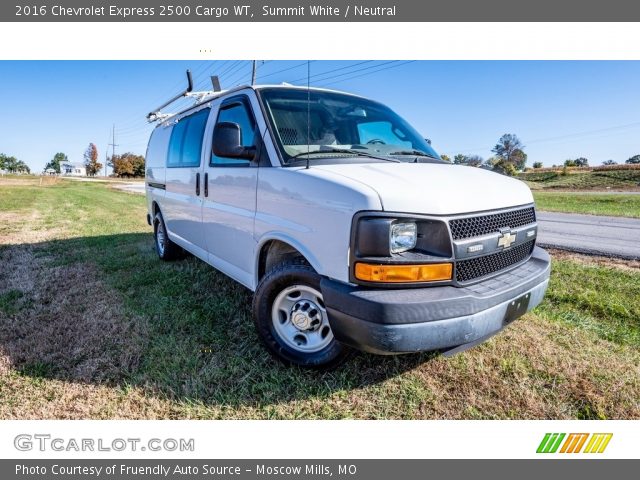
<point x="559" y="109"/>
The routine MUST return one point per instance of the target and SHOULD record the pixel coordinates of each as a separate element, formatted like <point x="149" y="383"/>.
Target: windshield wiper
<point x="417" y="153"/>
<point x="350" y="151"/>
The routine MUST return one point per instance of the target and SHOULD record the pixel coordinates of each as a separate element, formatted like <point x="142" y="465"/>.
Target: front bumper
<point x="434" y="318"/>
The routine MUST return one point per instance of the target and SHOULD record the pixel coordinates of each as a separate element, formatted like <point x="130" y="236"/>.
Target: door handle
<point x="206" y="184"/>
<point x="198" y="184"/>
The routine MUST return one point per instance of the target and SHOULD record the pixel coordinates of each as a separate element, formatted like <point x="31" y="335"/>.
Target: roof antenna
<point x="308" y="111"/>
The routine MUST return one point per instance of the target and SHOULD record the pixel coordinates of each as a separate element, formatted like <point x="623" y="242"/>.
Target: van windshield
<point x="317" y="124"/>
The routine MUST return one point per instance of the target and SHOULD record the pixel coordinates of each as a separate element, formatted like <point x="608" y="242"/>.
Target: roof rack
<point x="157" y="115"/>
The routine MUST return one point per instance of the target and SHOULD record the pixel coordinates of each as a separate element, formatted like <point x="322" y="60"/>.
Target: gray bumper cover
<point x="433" y="318"/>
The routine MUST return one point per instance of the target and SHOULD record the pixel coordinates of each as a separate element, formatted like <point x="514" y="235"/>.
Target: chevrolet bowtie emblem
<point x="506" y="239"/>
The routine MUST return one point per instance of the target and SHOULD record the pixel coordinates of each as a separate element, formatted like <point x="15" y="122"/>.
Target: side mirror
<point x="428" y="140"/>
<point x="227" y="142"/>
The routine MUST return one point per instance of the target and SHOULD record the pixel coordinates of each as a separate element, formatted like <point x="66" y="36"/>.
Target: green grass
<point x="618" y="205"/>
<point x="604" y="301"/>
<point x="176" y="340"/>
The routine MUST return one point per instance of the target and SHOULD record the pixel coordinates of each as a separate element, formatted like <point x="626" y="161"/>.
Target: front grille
<point x="484" y="224"/>
<point x="473" y="268"/>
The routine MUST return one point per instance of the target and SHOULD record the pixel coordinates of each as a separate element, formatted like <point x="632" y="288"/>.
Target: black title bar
<point x="317" y="469"/>
<point x="320" y="11"/>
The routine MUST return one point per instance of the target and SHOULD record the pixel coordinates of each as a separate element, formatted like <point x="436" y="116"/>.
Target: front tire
<point x="291" y="318"/>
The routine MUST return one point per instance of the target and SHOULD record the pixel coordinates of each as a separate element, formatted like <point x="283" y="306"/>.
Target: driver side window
<point x="381" y="132"/>
<point x="236" y="112"/>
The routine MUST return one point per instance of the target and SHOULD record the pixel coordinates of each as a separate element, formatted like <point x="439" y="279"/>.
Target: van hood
<point x="433" y="188"/>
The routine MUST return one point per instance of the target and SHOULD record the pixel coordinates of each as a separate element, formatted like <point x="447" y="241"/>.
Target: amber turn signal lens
<point x="404" y="273"/>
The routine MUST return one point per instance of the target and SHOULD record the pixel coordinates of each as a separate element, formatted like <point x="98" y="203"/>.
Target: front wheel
<point x="292" y="320"/>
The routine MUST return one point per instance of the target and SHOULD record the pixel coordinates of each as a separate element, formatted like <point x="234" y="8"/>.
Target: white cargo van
<point x="343" y="220"/>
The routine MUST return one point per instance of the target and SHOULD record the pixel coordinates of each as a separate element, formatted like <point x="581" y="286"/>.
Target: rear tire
<point x="165" y="248"/>
<point x="291" y="318"/>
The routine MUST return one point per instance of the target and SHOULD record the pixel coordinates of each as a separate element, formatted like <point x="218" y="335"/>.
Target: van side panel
<point x="182" y="209"/>
<point x="155" y="161"/>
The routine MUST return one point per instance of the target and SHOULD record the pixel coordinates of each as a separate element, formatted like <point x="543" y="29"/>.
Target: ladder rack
<point x="157" y="115"/>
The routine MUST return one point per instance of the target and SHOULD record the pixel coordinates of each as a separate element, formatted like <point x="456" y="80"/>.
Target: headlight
<point x="403" y="237"/>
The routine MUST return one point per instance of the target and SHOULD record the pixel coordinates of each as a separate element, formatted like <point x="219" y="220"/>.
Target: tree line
<point x="124" y="165"/>
<point x="11" y="164"/>
<point x="584" y="162"/>
<point x="509" y="156"/>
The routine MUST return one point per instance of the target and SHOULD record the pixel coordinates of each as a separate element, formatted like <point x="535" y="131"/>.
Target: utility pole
<point x="113" y="145"/>
<point x="253" y="73"/>
<point x="106" y="159"/>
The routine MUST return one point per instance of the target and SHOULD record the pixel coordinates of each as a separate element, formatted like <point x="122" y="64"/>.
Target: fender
<point x="274" y="235"/>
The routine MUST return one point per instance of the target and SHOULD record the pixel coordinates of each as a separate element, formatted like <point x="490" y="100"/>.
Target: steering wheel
<point x="376" y="141"/>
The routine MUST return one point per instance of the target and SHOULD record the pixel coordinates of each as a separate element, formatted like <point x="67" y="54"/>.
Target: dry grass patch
<point x="596" y="260"/>
<point x="33" y="398"/>
<point x="64" y="321"/>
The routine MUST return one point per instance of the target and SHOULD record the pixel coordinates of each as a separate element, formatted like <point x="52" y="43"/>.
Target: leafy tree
<point x="460" y="159"/>
<point x="445" y="158"/>
<point x="581" y="162"/>
<point x="127" y="165"/>
<point x="55" y="162"/>
<point x="609" y="162"/>
<point x="470" y="160"/>
<point x="510" y="149"/>
<point x="22" y="167"/>
<point x="570" y="163"/>
<point x="502" y="166"/>
<point x="3" y="161"/>
<point x="91" y="160"/>
<point x="13" y="165"/>
<point x="537" y="164"/>
<point x="633" y="160"/>
<point x="474" y="160"/>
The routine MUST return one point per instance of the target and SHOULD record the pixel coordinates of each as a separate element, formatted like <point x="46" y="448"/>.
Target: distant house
<point x="73" y="169"/>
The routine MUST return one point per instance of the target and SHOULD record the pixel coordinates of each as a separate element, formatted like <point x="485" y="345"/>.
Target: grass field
<point x="92" y="325"/>
<point x="619" y="180"/>
<point x="586" y="192"/>
<point x="617" y="205"/>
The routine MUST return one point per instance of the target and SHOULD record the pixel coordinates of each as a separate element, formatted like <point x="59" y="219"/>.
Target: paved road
<point x="132" y="187"/>
<point x="608" y="236"/>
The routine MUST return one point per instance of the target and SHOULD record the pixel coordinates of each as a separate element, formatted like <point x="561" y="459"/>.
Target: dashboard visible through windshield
<point x="322" y="124"/>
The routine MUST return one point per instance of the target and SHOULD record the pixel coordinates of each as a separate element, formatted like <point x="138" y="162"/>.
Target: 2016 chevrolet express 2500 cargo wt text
<point x="347" y="225"/>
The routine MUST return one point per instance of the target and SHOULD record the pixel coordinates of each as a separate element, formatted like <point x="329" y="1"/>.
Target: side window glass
<point x="236" y="112"/>
<point x="175" y="143"/>
<point x="185" y="145"/>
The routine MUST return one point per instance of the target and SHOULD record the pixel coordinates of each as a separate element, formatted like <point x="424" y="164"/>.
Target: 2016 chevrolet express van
<point x="343" y="220"/>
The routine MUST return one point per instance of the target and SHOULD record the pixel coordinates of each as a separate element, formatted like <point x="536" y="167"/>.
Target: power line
<point x="575" y="135"/>
<point x="331" y="71"/>
<point x="390" y="64"/>
<point x="285" y="70"/>
<point x="239" y="75"/>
